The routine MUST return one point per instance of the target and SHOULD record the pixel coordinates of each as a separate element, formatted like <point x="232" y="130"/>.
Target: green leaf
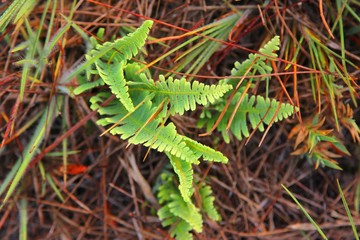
<point x="255" y="61"/>
<point x="88" y="85"/>
<point x="124" y="48"/>
<point x="113" y="76"/>
<point x="207" y="200"/>
<point x="205" y="152"/>
<point x="185" y="173"/>
<point x="255" y="110"/>
<point x="121" y="50"/>
<point x="322" y="234"/>
<point x="186" y="211"/>
<point x="184" y="95"/>
<point x="153" y="134"/>
<point x="175" y="208"/>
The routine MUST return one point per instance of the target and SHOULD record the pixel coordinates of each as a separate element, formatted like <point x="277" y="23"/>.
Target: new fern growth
<point x="142" y="107"/>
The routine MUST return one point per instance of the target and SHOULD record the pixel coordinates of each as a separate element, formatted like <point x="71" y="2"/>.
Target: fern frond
<point x="256" y="61"/>
<point x="88" y="85"/>
<point x="179" y="227"/>
<point x="175" y="209"/>
<point x="254" y="110"/>
<point x="207" y="200"/>
<point x="184" y="95"/>
<point x="270" y="48"/>
<point x="113" y="75"/>
<point x="185" y="174"/>
<point x="152" y="134"/>
<point x="183" y="216"/>
<point x="186" y="211"/>
<point x="175" y="212"/>
<point x="124" y="48"/>
<point x="205" y="152"/>
<point x="182" y="231"/>
<point x="111" y="60"/>
<point x="117" y="52"/>
<point x="132" y="75"/>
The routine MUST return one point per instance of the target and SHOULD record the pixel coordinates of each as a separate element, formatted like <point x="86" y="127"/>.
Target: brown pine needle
<point x="324" y="20"/>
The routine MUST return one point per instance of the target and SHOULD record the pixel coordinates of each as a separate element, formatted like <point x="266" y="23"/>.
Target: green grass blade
<point x="31" y="148"/>
<point x="23" y="219"/>
<point x="352" y="12"/>
<point x="30" y="53"/>
<point x="357" y="198"/>
<point x="348" y="211"/>
<point x="322" y="234"/>
<point x="10" y="13"/>
<point x="54" y="187"/>
<point x="342" y="44"/>
<point x="25" y="10"/>
<point x="10" y="176"/>
<point x="56" y="38"/>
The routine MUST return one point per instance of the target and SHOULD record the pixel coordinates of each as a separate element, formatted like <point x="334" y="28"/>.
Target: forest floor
<point x="109" y="191"/>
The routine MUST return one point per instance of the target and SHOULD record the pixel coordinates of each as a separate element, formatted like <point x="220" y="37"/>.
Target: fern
<point x="124" y="48"/>
<point x="136" y="130"/>
<point x="110" y="59"/>
<point x="185" y="174"/>
<point x="205" y="152"/>
<point x="207" y="200"/>
<point x="258" y="62"/>
<point x="88" y="85"/>
<point x="252" y="110"/>
<point x="142" y="107"/>
<point x="255" y="110"/>
<point x="181" y="215"/>
<point x="113" y="76"/>
<point x="183" y="95"/>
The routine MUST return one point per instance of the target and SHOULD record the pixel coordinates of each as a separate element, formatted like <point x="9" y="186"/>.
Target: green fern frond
<point x="179" y="227"/>
<point x="113" y="75"/>
<point x="185" y="174"/>
<point x="270" y="48"/>
<point x="256" y="61"/>
<point x="112" y="58"/>
<point x="87" y="86"/>
<point x="207" y="200"/>
<point x="186" y="211"/>
<point x="152" y="134"/>
<point x="205" y="152"/>
<point x="124" y="48"/>
<point x="176" y="212"/>
<point x="131" y="73"/>
<point x="182" y="231"/>
<point x="117" y="52"/>
<point x="254" y="110"/>
<point x="183" y="216"/>
<point x="166" y="188"/>
<point x="184" y="95"/>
